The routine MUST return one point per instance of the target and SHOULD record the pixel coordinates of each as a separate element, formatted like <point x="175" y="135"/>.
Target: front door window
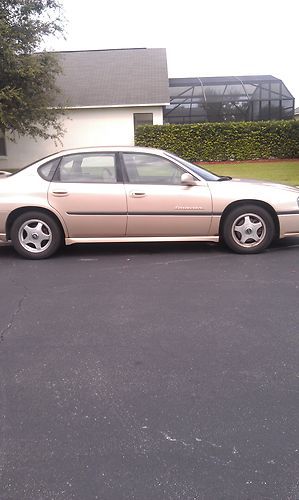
<point x="151" y="169"/>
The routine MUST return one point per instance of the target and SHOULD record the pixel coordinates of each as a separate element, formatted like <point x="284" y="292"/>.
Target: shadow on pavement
<point x="99" y="249"/>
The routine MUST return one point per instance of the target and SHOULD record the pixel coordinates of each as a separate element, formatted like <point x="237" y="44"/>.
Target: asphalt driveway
<point x="150" y="372"/>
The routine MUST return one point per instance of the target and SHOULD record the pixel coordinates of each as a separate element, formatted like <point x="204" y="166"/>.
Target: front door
<point x="158" y="203"/>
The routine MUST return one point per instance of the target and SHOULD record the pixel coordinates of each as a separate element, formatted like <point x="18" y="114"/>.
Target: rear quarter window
<point x="47" y="170"/>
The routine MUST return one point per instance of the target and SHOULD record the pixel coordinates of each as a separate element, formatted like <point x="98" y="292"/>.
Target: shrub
<point x="224" y="141"/>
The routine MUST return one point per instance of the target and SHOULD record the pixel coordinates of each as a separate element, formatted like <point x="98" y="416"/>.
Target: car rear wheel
<point x="248" y="229"/>
<point x="36" y="235"/>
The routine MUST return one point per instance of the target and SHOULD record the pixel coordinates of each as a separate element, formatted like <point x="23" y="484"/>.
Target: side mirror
<point x="188" y="180"/>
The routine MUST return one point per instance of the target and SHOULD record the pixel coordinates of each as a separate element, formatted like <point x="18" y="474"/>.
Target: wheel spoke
<point x="27" y="240"/>
<point x="255" y="236"/>
<point x="39" y="227"/>
<point x="257" y="225"/>
<point x="244" y="238"/>
<point x="37" y="244"/>
<point x="239" y="229"/>
<point x="247" y="221"/>
<point x="27" y="228"/>
<point x="44" y="237"/>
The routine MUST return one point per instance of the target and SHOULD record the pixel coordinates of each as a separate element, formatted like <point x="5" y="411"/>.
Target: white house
<point x="107" y="94"/>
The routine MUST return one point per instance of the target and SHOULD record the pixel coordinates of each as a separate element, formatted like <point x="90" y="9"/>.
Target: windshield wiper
<point x="224" y="178"/>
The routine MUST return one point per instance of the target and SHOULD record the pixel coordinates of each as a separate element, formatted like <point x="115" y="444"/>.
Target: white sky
<point x="202" y="37"/>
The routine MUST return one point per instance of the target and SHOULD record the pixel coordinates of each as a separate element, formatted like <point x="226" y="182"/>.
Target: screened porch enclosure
<point x="220" y="99"/>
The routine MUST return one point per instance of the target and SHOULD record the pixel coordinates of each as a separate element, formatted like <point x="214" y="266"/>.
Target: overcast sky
<point x="202" y="37"/>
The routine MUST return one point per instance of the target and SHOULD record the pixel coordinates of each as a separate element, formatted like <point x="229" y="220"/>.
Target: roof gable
<point x="123" y="77"/>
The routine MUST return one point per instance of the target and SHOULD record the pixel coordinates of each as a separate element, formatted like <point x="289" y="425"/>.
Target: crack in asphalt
<point x="3" y="397"/>
<point x="13" y="316"/>
<point x="3" y="425"/>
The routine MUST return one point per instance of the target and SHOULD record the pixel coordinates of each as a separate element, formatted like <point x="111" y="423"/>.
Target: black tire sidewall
<point x="237" y="212"/>
<point x="50" y="221"/>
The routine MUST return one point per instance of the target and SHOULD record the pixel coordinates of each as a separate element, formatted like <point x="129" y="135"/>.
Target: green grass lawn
<point x="285" y="172"/>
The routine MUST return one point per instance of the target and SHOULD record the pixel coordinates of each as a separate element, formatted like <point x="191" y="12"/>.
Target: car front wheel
<point x="248" y="229"/>
<point x="36" y="235"/>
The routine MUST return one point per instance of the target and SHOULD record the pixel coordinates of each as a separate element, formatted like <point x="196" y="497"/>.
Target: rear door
<point x="89" y="195"/>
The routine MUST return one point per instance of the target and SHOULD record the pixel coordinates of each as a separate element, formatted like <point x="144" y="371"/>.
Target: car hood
<point x="256" y="183"/>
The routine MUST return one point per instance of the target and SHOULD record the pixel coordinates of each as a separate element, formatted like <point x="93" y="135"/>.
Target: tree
<point x="28" y="92"/>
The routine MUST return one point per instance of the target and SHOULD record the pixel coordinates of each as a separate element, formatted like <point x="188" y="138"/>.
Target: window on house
<point x="142" y="119"/>
<point x="2" y="144"/>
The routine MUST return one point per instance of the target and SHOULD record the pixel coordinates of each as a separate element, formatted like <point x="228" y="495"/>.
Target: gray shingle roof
<point x="121" y="77"/>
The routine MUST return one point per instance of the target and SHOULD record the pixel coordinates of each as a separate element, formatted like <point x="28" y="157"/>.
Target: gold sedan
<point x="138" y="194"/>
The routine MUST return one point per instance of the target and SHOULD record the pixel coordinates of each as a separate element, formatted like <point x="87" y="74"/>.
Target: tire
<point x="36" y="235"/>
<point x="248" y="229"/>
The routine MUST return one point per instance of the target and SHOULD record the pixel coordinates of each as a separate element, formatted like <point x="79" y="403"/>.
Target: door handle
<point x="60" y="193"/>
<point x="137" y="194"/>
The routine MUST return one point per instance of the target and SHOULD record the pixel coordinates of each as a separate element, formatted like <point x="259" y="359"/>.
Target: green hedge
<point x="224" y="141"/>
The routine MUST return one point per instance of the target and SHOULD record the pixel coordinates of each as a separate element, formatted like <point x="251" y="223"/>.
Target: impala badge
<point x="178" y="207"/>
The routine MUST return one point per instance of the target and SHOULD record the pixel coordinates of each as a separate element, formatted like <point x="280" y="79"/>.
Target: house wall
<point x="84" y="127"/>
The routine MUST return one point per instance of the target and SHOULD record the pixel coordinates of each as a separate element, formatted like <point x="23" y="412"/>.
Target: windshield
<point x="205" y="174"/>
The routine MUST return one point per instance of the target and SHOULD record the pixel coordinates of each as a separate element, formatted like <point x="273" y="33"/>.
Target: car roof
<point x="94" y="149"/>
